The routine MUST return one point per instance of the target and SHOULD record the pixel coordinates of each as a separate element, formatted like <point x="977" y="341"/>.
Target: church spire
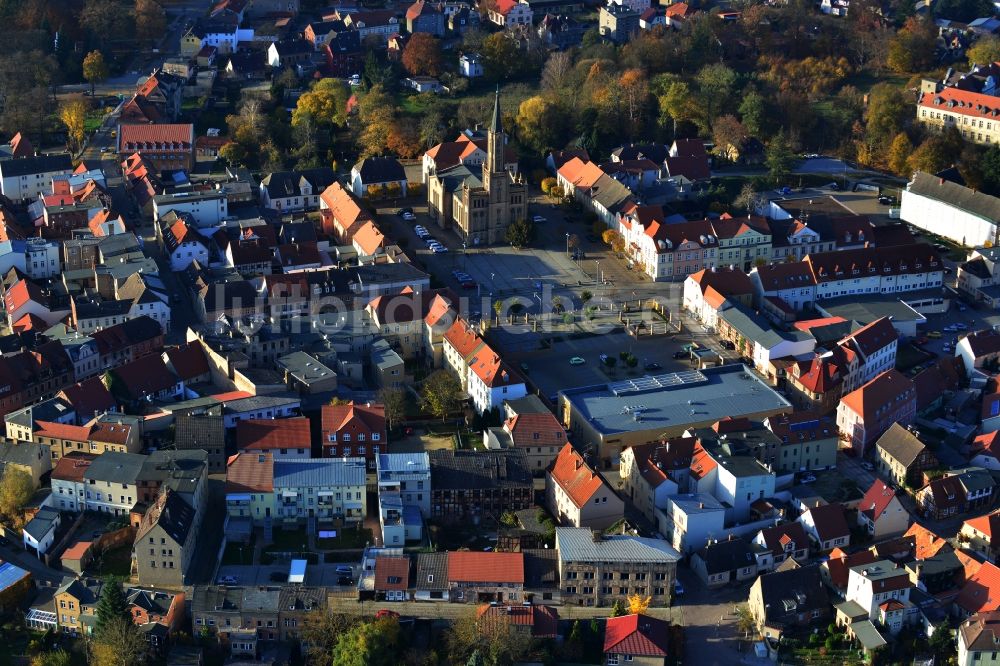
<point x="496" y="126"/>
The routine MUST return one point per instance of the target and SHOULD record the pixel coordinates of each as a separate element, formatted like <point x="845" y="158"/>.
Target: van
<point x="344" y="570"/>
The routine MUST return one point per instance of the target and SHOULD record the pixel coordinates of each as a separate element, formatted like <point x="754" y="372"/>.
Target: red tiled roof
<point x="888" y="387"/>
<point x="890" y="606"/>
<point x="468" y="566"/>
<point x="72" y="466"/>
<point x="109" y="432"/>
<point x="77" y="551"/>
<point x="988" y="524"/>
<point x="777" y="537"/>
<point x="981" y="592"/>
<point x="250" y="473"/>
<point x="829" y="521"/>
<point x="188" y="360"/>
<point x="463" y="338"/>
<point x="926" y="542"/>
<point x="876" y="500"/>
<point x="145" y="375"/>
<point x="901" y="260"/>
<point x="492" y="370"/>
<point x="55" y="430"/>
<point x="541" y="429"/>
<point x="89" y="397"/>
<point x="169" y="137"/>
<point x="265" y="434"/>
<point x="639" y="635"/>
<point x="725" y="281"/>
<point x="571" y="472"/>
<point x="963" y="102"/>
<point x="840" y="563"/>
<point x="392" y="573"/>
<point x="359" y="417"/>
<point x="701" y="463"/>
<point x="794" y="275"/>
<point x="543" y="620"/>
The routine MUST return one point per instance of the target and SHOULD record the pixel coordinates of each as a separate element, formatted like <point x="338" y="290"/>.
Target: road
<point x="43" y="575"/>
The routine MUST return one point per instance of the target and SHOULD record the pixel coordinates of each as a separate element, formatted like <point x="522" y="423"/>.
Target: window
<point x="346" y="437"/>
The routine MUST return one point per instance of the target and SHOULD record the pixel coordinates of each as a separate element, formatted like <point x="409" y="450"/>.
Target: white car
<point x="808" y="478"/>
<point x="409" y="217"/>
<point x="439" y="249"/>
<point x="538" y="219"/>
<point x="868" y="466"/>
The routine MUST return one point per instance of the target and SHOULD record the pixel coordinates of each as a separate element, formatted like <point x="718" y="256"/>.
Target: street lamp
<point x="597" y="273"/>
<point x="567" y="243"/>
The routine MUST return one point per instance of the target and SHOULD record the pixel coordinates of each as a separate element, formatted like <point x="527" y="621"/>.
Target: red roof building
<point x="392" y="578"/>
<point x="631" y="636"/>
<point x="981" y="593"/>
<point x="525" y="621"/>
<point x="577" y="495"/>
<point x="354" y="429"/>
<point x="868" y="411"/>
<point x="472" y="572"/>
<point x="166" y="147"/>
<point x="283" y="438"/>
<point x="881" y="512"/>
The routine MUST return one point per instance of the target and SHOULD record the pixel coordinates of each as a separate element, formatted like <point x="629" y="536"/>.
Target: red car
<point x="386" y="613"/>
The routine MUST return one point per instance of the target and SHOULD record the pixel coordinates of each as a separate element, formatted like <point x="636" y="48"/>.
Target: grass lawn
<point x="814" y="657"/>
<point x="93" y="121"/>
<point x="116" y="562"/>
<point x="289" y="540"/>
<point x="346" y="539"/>
<point x="236" y="553"/>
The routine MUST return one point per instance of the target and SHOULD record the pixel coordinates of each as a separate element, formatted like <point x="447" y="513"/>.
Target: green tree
<point x="53" y="658"/>
<point x="913" y="48"/>
<point x="932" y="155"/>
<point x="325" y="103"/>
<point x="754" y="113"/>
<point x="500" y="56"/>
<point x="989" y="164"/>
<point x="942" y="642"/>
<point x="540" y="123"/>
<point x="320" y="633"/>
<point x="95" y="70"/>
<point x="984" y="50"/>
<point x="899" y="153"/>
<point x="520" y="232"/>
<point x="715" y="85"/>
<point x="368" y="644"/>
<point x="394" y="402"/>
<point x="619" y="608"/>
<point x="118" y="643"/>
<point x="678" y="103"/>
<point x="150" y="19"/>
<point x="16" y="487"/>
<point x="441" y="393"/>
<point x="778" y="157"/>
<point x="111" y="606"/>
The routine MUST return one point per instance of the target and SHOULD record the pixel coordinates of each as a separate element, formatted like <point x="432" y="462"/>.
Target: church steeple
<point x="496" y="140"/>
<point x="497" y="125"/>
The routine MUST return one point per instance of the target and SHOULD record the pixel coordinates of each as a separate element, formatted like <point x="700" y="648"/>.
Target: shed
<point x="297" y="572"/>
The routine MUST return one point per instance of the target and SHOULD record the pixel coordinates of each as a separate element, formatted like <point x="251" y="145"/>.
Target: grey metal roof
<point x="24" y="166"/>
<point x="10" y="574"/>
<point x="258" y="402"/>
<point x="116" y="467"/>
<point x="757" y="328"/>
<point x="529" y="404"/>
<point x="43" y="521"/>
<point x="402" y="465"/>
<point x="384" y="356"/>
<point x="866" y="309"/>
<point x="694" y="398"/>
<point x="304" y="367"/>
<point x="970" y="201"/>
<point x="576" y="544"/>
<point x="694" y="503"/>
<point x="316" y="473"/>
<point x="727" y="555"/>
<point x="25" y="453"/>
<point x="901" y="445"/>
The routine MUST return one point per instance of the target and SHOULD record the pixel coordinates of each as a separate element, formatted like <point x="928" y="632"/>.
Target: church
<point x="479" y="202"/>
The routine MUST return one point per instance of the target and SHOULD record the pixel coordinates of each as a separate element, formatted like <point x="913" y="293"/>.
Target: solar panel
<point x="657" y="382"/>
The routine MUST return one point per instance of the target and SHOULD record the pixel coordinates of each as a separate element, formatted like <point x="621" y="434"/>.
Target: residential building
<point x="977" y="535"/>
<point x="826" y="525"/>
<point x="978" y="350"/>
<point x="950" y="210"/>
<point x="205" y="432"/>
<point x="290" y="191"/>
<point x="478" y="577"/>
<point x="164" y="542"/>
<point x="881" y="513"/>
<point x="978" y="277"/>
<point x="958" y="491"/>
<point x="872" y="585"/>
<point x="74" y="600"/>
<point x="408" y="474"/>
<point x="467" y="485"/>
<point x="867" y="412"/>
<point x="755" y="337"/>
<point x="807" y="441"/>
<point x="578" y="496"/>
<point x="538" y="434"/>
<point x="30" y="177"/>
<point x="375" y="176"/>
<point x="32" y="459"/>
<point x="482" y="205"/>
<point x="902" y="458"/>
<point x="164" y="147"/>
<point x="39" y="535"/>
<point x="691" y="521"/>
<point x="595" y="570"/>
<point x="110" y="483"/>
<point x="719" y="563"/>
<point x="321" y="489"/>
<point x="876" y="270"/>
<point x="511" y="13"/>
<point x="392" y="578"/>
<point x="978" y="637"/>
<point x="618" y="22"/>
<point x="788" y="284"/>
<point x="638" y="639"/>
<point x="424" y="16"/>
<point x="525" y="622"/>
<point x="250" y="499"/>
<point x="354" y="429"/>
<point x="285" y="439"/>
<point x="979" y="594"/>
<point x="786" y="541"/>
<point x="784" y="601"/>
<point x="208" y="208"/>
<point x="706" y="291"/>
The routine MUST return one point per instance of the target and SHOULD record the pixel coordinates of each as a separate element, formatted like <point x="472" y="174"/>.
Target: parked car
<point x="654" y="366"/>
<point x="385" y="613"/>
<point x="728" y="344"/>
<point x="344" y="570"/>
<point x="604" y="358"/>
<point x="439" y="249"/>
<point x="808" y="478"/>
<point x="576" y="360"/>
<point x="538" y="219"/>
<point x="227" y="580"/>
<point x="868" y="466"/>
<point x="886" y="201"/>
<point x="404" y="211"/>
<point x="682" y="354"/>
<point x="678" y="588"/>
<point x="345" y="580"/>
<point x="934" y="335"/>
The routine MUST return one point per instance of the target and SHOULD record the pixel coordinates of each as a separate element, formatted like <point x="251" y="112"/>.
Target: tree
<point x="913" y="48"/>
<point x="747" y="198"/>
<point x="95" y="70"/>
<point x="984" y="50"/>
<point x="547" y="184"/>
<point x="404" y="140"/>
<point x="441" y="393"/>
<point x="118" y="643"/>
<point x="150" y="19"/>
<point x="320" y="633"/>
<point x="899" y="153"/>
<point x="930" y="156"/>
<point x="111" y="606"/>
<point x="233" y="153"/>
<point x="557" y="70"/>
<point x="678" y="103"/>
<point x="377" y="115"/>
<point x="942" y="641"/>
<point x="73" y="115"/>
<point x="16" y="487"/>
<point x="715" y="84"/>
<point x="539" y="123"/>
<point x="637" y="604"/>
<point x="394" y="402"/>
<point x="500" y="56"/>
<point x="422" y="55"/>
<point x="778" y="157"/>
<point x="619" y="608"/>
<point x="103" y="18"/>
<point x="325" y="103"/>
<point x="745" y="621"/>
<point x="368" y="644"/>
<point x="520" y="232"/>
<point x="728" y="131"/>
<point x="53" y="658"/>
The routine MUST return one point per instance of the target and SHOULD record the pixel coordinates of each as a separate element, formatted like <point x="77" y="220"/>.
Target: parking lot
<point x="316" y="574"/>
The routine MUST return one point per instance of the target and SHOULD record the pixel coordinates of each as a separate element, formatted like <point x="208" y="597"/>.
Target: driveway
<point x="711" y="635"/>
